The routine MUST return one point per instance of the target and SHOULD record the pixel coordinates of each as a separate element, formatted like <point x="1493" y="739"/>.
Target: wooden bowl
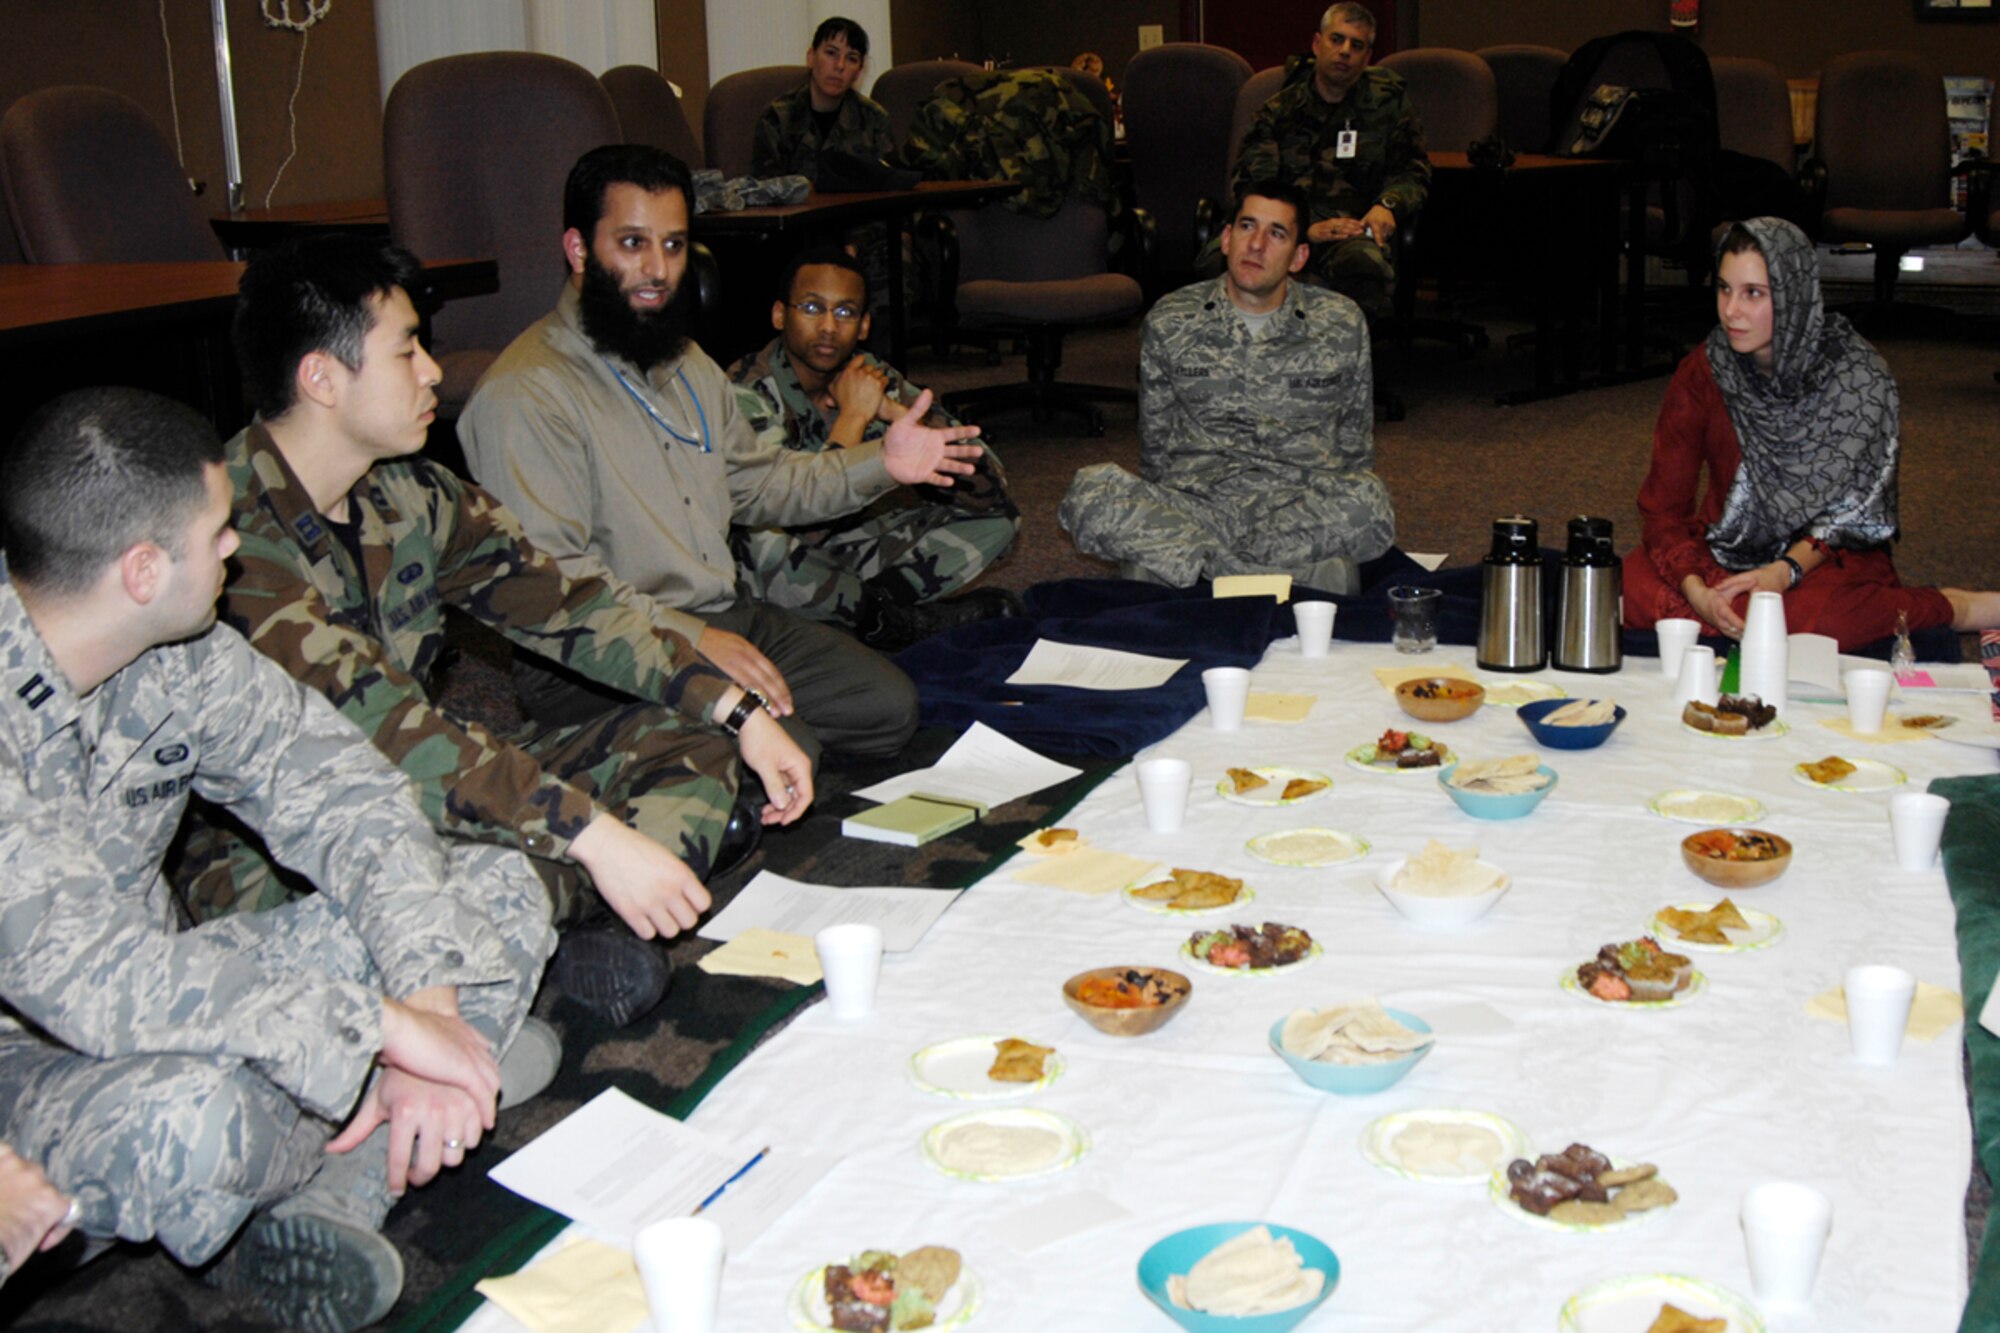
<point x="1129" y="1022"/>
<point x="1454" y="698"/>
<point x="1735" y="874"/>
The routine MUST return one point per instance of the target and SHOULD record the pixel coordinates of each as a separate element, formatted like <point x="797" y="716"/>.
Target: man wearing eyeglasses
<point x="882" y="570"/>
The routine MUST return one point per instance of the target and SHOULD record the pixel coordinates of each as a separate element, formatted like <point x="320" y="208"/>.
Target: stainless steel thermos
<point x="1510" y="598"/>
<point x="1587" y="615"/>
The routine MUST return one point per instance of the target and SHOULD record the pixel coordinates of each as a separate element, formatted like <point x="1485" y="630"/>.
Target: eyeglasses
<point x="842" y="313"/>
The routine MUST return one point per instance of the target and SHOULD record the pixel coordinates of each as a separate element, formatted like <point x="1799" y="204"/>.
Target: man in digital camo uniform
<point x="1256" y="425"/>
<point x="1345" y="135"/>
<point x="824" y="114"/>
<point x="182" y="1082"/>
<point x="351" y="551"/>
<point x="882" y="571"/>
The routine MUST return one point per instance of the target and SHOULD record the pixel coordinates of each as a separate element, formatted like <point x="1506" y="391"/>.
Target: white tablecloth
<point x="1200" y="1122"/>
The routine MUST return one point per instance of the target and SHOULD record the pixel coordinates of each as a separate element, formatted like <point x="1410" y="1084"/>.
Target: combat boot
<point x="888" y="625"/>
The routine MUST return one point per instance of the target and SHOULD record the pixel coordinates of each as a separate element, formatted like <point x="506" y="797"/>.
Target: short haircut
<point x="1347" y="10"/>
<point x="833" y="256"/>
<point x="651" y="169"/>
<point x="1283" y="192"/>
<point x="94" y="473"/>
<point x="311" y="294"/>
<point x="856" y="35"/>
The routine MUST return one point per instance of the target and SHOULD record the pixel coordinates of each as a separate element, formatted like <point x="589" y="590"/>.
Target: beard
<point x="645" y="338"/>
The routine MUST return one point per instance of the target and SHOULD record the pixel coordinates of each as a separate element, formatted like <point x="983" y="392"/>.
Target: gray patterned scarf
<point x="1819" y="434"/>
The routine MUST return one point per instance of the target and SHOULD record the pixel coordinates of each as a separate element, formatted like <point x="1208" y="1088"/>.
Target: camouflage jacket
<point x="1237" y="421"/>
<point x="1295" y="138"/>
<point x="370" y="639"/>
<point x="787" y="141"/>
<point x="91" y="791"/>
<point x="783" y="415"/>
<point x="1017" y="125"/>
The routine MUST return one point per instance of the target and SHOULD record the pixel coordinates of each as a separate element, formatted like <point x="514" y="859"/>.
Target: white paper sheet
<point x="798" y="908"/>
<point x="1083" y="668"/>
<point x="982" y="765"/>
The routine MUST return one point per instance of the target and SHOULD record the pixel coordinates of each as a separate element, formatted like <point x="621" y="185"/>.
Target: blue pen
<point x="741" y="1172"/>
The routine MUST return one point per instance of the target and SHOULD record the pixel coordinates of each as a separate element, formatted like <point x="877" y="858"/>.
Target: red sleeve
<point x="1692" y="434"/>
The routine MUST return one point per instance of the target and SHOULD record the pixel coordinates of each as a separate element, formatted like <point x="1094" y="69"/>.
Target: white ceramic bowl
<point x="1435" y="912"/>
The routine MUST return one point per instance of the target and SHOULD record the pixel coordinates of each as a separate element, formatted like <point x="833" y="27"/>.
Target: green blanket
<point x="1972" y="868"/>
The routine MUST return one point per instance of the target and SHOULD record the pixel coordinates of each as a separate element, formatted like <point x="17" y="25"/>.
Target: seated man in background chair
<point x="353" y="548"/>
<point x="180" y="1083"/>
<point x="1256" y="426"/>
<point x="618" y="443"/>
<point x="883" y="571"/>
<point x="825" y="114"/>
<point x="1346" y="137"/>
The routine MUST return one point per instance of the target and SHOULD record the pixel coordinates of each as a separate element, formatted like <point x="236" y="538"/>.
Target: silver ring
<point x="454" y="1145"/>
<point x="75" y="1213"/>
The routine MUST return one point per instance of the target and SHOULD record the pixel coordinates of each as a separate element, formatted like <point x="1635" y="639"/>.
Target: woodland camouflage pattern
<point x="1018" y="125"/>
<point x="1255" y="456"/>
<point x="787" y="142"/>
<point x="939" y="543"/>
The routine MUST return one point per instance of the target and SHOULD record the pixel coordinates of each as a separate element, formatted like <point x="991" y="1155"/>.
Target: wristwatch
<point x="1798" y="570"/>
<point x="748" y="704"/>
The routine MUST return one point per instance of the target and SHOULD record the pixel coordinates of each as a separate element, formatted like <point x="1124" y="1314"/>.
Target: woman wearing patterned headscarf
<point x="1795" y="419"/>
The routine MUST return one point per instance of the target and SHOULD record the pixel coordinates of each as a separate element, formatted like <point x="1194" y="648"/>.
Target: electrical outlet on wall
<point x="1150" y="36"/>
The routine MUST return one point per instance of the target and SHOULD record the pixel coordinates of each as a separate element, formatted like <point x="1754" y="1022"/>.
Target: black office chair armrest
<point x="1812" y="184"/>
<point x="1207" y="217"/>
<point x="939" y="230"/>
<point x="706" y="274"/>
<point x="1979" y="197"/>
<point x="1137" y="254"/>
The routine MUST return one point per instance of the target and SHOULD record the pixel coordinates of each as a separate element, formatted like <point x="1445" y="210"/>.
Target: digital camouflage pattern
<point x="937" y="538"/>
<point x="787" y="141"/>
<point x="166" y="1075"/>
<point x="1255" y="455"/>
<point x="1020" y="125"/>
<point x="713" y="194"/>
<point x="370" y="640"/>
<point x="1295" y="138"/>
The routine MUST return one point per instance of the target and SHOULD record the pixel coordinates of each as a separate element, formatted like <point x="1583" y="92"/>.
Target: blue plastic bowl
<point x="1355" y="1080"/>
<point x="1565" y="738"/>
<point x="1484" y="805"/>
<point x="1182" y="1250"/>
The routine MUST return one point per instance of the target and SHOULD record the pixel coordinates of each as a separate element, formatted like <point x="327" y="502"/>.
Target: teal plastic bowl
<point x="1482" y="805"/>
<point x="1182" y="1250"/>
<point x="1565" y="738"/>
<point x="1355" y="1080"/>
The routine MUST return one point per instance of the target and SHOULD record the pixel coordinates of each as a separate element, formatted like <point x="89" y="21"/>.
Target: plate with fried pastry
<point x="1003" y="1144"/>
<point x="1715" y="927"/>
<point x="1303" y="848"/>
<point x="1272" y="785"/>
<point x="1837" y="773"/>
<point x="985" y="1068"/>
<point x="928" y="1288"/>
<point x="1514" y="693"/>
<point x="1710" y="809"/>
<point x="1443" y="1145"/>
<point x="1189" y="893"/>
<point x="1580" y="1190"/>
<point x="1658" y="1303"/>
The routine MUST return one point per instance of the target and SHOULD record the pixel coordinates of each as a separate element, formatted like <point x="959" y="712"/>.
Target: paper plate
<point x="1446" y="757"/>
<point x="1868" y="775"/>
<point x="1378" y="1143"/>
<point x="1308" y="847"/>
<point x="1765" y="930"/>
<point x="1631" y="1304"/>
<point x="1499" y="1190"/>
<point x="1202" y="964"/>
<point x="957" y="1069"/>
<point x="1514" y="693"/>
<point x="1075" y="1142"/>
<point x="1677" y="806"/>
<point x="1696" y="985"/>
<point x="1244" y="895"/>
<point x="1771" y="730"/>
<point x="1277" y="777"/>
<point x="807" y="1306"/>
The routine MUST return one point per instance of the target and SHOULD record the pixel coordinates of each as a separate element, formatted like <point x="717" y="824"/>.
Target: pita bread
<point x="1361" y="1033"/>
<point x="1511" y="776"/>
<point x="1582" y="713"/>
<point x="1250" y="1274"/>
<point x="1439" y="872"/>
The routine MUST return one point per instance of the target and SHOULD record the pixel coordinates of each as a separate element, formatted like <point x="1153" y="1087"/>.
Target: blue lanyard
<point x="680" y="373"/>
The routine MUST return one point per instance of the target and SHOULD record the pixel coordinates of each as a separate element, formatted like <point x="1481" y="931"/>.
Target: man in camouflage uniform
<point x="824" y="114"/>
<point x="618" y="443"/>
<point x="1255" y="425"/>
<point x="352" y="550"/>
<point x="1345" y="135"/>
<point x="180" y="1082"/>
<point x="809" y="389"/>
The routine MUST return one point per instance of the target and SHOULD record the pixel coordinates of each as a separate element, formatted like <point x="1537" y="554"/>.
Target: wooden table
<point x="822" y="214"/>
<point x="251" y="228"/>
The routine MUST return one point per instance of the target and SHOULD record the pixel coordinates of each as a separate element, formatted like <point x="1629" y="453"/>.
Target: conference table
<point x="1201" y="1122"/>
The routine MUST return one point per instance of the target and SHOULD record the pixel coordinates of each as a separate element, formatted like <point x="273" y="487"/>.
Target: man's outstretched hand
<point x="920" y="455"/>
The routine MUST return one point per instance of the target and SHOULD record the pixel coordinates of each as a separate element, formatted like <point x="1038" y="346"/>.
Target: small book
<point x="909" y="821"/>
